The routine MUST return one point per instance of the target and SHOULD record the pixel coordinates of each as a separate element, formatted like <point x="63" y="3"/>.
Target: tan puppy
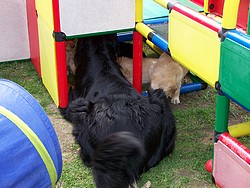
<point x="70" y="55"/>
<point x="127" y="68"/>
<point x="168" y="75"/>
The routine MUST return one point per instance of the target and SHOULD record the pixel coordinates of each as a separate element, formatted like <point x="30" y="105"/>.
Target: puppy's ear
<point x="151" y="71"/>
<point x="165" y="58"/>
<point x="161" y="59"/>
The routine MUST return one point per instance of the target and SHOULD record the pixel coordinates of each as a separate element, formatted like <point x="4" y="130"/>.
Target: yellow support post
<point x="138" y="10"/>
<point x="230" y="14"/>
<point x="154" y="47"/>
<point x="206" y="6"/>
<point x="238" y="130"/>
<point x="143" y="29"/>
<point x="163" y="3"/>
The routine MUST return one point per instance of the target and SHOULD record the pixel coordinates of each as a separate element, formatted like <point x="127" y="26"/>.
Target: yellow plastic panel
<point x="194" y="46"/>
<point x="47" y="47"/>
<point x="45" y="13"/>
<point x="48" y="61"/>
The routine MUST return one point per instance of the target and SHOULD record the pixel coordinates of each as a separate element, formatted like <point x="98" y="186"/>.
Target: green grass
<point x="76" y="175"/>
<point x="185" y="167"/>
<point x="24" y="74"/>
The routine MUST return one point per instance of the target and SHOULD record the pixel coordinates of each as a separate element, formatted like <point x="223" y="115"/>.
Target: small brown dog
<point x="70" y="55"/>
<point x="168" y="75"/>
<point x="127" y="68"/>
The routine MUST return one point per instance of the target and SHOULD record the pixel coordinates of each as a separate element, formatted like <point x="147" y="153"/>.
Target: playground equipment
<point x="30" y="154"/>
<point x="60" y="20"/>
<point x="156" y="42"/>
<point x="219" y="55"/>
<point x="38" y="29"/>
<point x="211" y="39"/>
<point x="46" y="25"/>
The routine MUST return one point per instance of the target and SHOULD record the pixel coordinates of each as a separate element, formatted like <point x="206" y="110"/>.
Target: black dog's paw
<point x="79" y="105"/>
<point x="79" y="109"/>
<point x="63" y="111"/>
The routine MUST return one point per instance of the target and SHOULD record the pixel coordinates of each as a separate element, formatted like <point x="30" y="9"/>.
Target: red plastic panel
<point x="238" y="148"/>
<point x="196" y="16"/>
<point x="216" y="7"/>
<point x="243" y="14"/>
<point x="33" y="35"/>
<point x="229" y="170"/>
<point x="198" y="2"/>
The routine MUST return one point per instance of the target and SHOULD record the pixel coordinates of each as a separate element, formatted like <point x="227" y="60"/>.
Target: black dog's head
<point x="95" y="55"/>
<point x="96" y="44"/>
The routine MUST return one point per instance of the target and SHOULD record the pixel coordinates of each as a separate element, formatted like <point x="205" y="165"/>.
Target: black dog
<point x="121" y="133"/>
<point x="126" y="49"/>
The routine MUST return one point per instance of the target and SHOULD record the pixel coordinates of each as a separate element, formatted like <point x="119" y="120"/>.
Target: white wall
<point x="92" y="16"/>
<point x="14" y="42"/>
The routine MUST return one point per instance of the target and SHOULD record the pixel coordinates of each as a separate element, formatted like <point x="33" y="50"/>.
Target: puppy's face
<point x="70" y="43"/>
<point x="170" y="89"/>
<point x="169" y="86"/>
<point x="162" y="76"/>
<point x="167" y="75"/>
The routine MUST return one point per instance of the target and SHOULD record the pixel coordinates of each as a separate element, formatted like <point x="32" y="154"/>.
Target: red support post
<point x="137" y="60"/>
<point x="60" y="60"/>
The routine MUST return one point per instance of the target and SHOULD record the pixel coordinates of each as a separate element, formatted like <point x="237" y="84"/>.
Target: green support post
<point x="222" y="114"/>
<point x="221" y="118"/>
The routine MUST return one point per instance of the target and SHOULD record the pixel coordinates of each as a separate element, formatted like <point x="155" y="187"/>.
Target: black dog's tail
<point x="117" y="161"/>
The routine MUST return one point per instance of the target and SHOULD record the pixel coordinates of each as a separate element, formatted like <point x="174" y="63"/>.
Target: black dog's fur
<point x="121" y="133"/>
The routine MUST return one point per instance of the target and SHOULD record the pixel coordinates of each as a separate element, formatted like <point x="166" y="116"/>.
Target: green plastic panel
<point x="234" y="74"/>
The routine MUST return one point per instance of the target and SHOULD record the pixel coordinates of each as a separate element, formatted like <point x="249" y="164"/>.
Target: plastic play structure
<point x="56" y="21"/>
<point x="219" y="53"/>
<point x="211" y="38"/>
<point x="41" y="28"/>
<point x="30" y="154"/>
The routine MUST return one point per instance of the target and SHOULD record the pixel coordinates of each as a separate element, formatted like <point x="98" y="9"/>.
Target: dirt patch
<point x="209" y="138"/>
<point x="182" y="173"/>
<point x="63" y="130"/>
<point x="237" y="114"/>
